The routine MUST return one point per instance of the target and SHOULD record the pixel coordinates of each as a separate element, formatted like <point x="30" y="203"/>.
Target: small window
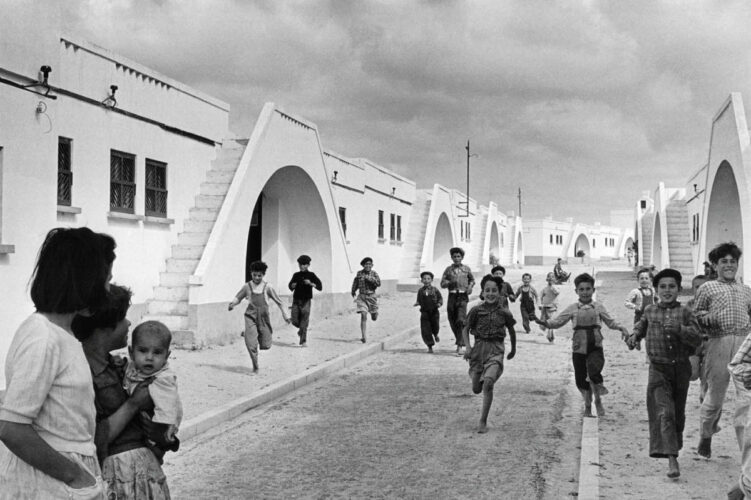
<point x="551" y="239"/>
<point x="380" y="224"/>
<point x="398" y="228"/>
<point x="392" y="227"/>
<point x="343" y="219"/>
<point x="156" y="188"/>
<point x="122" y="181"/>
<point x="461" y="230"/>
<point x="64" y="173"/>
<point x="594" y="243"/>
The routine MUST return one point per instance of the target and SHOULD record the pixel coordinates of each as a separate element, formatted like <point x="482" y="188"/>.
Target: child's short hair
<point x="365" y="261"/>
<point x="156" y="328"/>
<point x="456" y="250"/>
<point x="426" y="273"/>
<point x="526" y="274"/>
<point x="303" y="259"/>
<point x="667" y="273"/>
<point x="109" y="315"/>
<point x="258" y="266"/>
<point x="723" y="249"/>
<point x="644" y="270"/>
<point x="700" y="279"/>
<point x="489" y="277"/>
<point x="498" y="268"/>
<point x="72" y="270"/>
<point x="584" y="278"/>
<point x="550" y="275"/>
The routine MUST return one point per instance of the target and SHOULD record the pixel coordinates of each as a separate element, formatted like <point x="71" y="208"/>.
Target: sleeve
<point x="630" y="302"/>
<point x="641" y="327"/>
<point x="509" y="291"/>
<point x="355" y="284"/>
<point x="439" y="297"/>
<point x="472" y="320"/>
<point x="533" y="292"/>
<point x="509" y="319"/>
<point x="702" y="302"/>
<point x="564" y="317"/>
<point x="376" y="279"/>
<point x="518" y="292"/>
<point x="167" y="405"/>
<point x="470" y="279"/>
<point x="292" y="282"/>
<point x="317" y="282"/>
<point x="34" y="367"/>
<point x="690" y="330"/>
<point x="446" y="279"/>
<point x="606" y="318"/>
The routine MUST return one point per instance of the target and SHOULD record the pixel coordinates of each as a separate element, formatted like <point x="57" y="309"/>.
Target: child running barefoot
<point x="149" y="353"/>
<point x="258" y="329"/>
<point x="639" y="298"/>
<point x="672" y="334"/>
<point x="366" y="282"/>
<point x="588" y="358"/>
<point x="528" y="303"/>
<point x="488" y="323"/>
<point x="549" y="303"/>
<point x="430" y="300"/>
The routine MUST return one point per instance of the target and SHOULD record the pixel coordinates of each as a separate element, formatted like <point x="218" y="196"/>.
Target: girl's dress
<point x="48" y="386"/>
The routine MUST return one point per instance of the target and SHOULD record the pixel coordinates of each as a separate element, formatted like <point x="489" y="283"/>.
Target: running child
<point x="528" y="304"/>
<point x="258" y="329"/>
<point x="302" y="284"/>
<point x="459" y="280"/>
<point x="672" y="334"/>
<point x="430" y="300"/>
<point x="639" y="298"/>
<point x="588" y="358"/>
<point x="549" y="304"/>
<point x="149" y="353"/>
<point x="488" y="322"/>
<point x="366" y="282"/>
<point x="507" y="291"/>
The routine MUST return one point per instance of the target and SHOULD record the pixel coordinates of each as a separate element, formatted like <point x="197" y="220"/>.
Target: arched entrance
<point x="494" y="253"/>
<point x="442" y="243"/>
<point x="724" y="221"/>
<point x="289" y="219"/>
<point x="657" y="243"/>
<point x="581" y="244"/>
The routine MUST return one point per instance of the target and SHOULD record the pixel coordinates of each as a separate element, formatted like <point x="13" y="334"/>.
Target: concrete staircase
<point x="645" y="258"/>
<point x="170" y="302"/>
<point x="679" y="244"/>
<point x="416" y="230"/>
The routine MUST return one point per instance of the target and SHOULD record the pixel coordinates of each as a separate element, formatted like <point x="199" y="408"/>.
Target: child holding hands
<point x="672" y="334"/>
<point x="528" y="302"/>
<point x="588" y="358"/>
<point x="639" y="298"/>
<point x="549" y="303"/>
<point x="488" y="323"/>
<point x="430" y="300"/>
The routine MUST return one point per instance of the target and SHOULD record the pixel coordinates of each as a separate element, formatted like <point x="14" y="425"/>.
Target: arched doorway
<point x="442" y="243"/>
<point x="657" y="243"/>
<point x="289" y="219"/>
<point x="494" y="253"/>
<point x="724" y="221"/>
<point x="581" y="246"/>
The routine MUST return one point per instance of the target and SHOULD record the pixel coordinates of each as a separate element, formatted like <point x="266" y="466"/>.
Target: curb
<point x="589" y="461"/>
<point x="228" y="411"/>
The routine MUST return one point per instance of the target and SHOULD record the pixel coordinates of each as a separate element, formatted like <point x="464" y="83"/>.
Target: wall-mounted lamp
<point x="393" y="191"/>
<point x="110" y="101"/>
<point x="42" y="81"/>
<point x="44" y="74"/>
<point x="333" y="179"/>
<point x="696" y="188"/>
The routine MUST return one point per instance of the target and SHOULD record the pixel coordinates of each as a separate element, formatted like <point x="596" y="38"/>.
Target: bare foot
<point x="600" y="409"/>
<point x="587" y="411"/>
<point x="673" y="470"/>
<point x="483" y="428"/>
<point x="705" y="447"/>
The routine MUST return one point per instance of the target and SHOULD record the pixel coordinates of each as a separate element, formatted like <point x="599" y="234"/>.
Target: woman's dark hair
<point x="258" y="267"/>
<point x="113" y="311"/>
<point x="72" y="270"/>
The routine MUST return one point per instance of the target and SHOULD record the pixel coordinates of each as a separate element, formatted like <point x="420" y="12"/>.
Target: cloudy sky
<point x="581" y="104"/>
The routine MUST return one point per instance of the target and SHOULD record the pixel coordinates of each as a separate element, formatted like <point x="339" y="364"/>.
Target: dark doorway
<point x="253" y="251"/>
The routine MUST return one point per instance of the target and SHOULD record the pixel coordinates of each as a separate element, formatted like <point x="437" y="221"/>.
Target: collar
<point x="731" y="282"/>
<point x="588" y="305"/>
<point x="672" y="305"/>
<point x="97" y="364"/>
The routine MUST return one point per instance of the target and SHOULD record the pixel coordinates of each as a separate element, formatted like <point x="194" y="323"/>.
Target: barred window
<point x="122" y="181"/>
<point x="156" y="188"/>
<point x="398" y="228"/>
<point x="343" y="219"/>
<point x="392" y="228"/>
<point x="380" y="224"/>
<point x="64" y="173"/>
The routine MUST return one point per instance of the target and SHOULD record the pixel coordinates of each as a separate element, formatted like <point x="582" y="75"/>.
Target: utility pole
<point x="520" y="201"/>
<point x="469" y="155"/>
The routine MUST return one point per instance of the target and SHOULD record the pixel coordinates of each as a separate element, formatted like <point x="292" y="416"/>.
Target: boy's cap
<point x="428" y="273"/>
<point x="667" y="273"/>
<point x="456" y="250"/>
<point x="303" y="259"/>
<point x="365" y="261"/>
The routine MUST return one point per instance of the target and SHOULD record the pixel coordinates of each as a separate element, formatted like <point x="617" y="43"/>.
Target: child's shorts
<point x="367" y="303"/>
<point x="486" y="358"/>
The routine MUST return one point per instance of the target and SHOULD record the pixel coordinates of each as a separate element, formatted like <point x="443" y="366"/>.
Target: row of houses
<point x="678" y="226"/>
<point x="90" y="138"/>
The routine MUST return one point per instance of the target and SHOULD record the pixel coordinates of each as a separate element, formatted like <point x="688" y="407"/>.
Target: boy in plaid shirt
<point x="672" y="334"/>
<point x="722" y="308"/>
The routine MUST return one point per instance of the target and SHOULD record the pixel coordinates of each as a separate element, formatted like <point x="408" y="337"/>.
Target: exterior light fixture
<point x="333" y="179"/>
<point x="110" y="101"/>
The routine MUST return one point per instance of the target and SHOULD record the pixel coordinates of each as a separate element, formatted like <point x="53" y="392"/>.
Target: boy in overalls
<point x="587" y="356"/>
